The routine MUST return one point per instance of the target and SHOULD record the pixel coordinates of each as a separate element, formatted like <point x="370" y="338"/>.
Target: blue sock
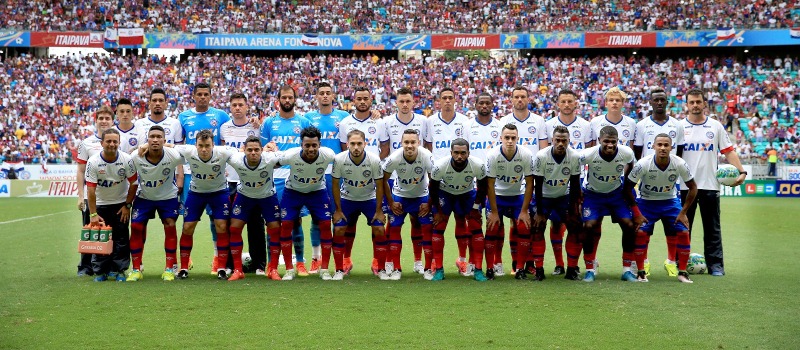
<point x="299" y="243"/>
<point x="315" y="240"/>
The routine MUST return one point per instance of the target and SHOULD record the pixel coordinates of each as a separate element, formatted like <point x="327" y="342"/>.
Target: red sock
<point x="672" y="242"/>
<point x="627" y="258"/>
<point x="539" y="246"/>
<point x="490" y="245"/>
<point x="338" y="252"/>
<point x="556" y="241"/>
<point x="236" y="247"/>
<point x="462" y="237"/>
<point x="641" y="249"/>
<point x="326" y="242"/>
<point x="427" y="244"/>
<point x="574" y="248"/>
<point x="683" y="249"/>
<point x="598" y="231"/>
<point x="523" y="245"/>
<point x="223" y="249"/>
<point x="137" y="246"/>
<point x="416" y="241"/>
<point x="477" y="243"/>
<point x="438" y="245"/>
<point x="395" y="246"/>
<point x="349" y="238"/>
<point x="381" y="244"/>
<point x="274" y="235"/>
<point x="186" y="250"/>
<point x="286" y="242"/>
<point x="170" y="245"/>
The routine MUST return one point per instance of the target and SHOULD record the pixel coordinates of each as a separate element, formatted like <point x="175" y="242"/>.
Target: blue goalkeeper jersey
<point x="193" y="122"/>
<point x="328" y="125"/>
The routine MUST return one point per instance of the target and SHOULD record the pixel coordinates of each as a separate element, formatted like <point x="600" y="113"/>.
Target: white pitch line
<point x="33" y="217"/>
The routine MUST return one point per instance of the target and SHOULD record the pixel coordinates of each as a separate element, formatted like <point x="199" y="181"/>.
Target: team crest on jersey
<point x="673" y="177"/>
<point x="195" y="166"/>
<point x="417" y="170"/>
<point x="495" y="134"/>
<point x="264" y="174"/>
<point x="532" y="130"/>
<point x="626" y="133"/>
<point x="121" y="172"/>
<point x="468" y="178"/>
<point x="620" y="167"/>
<point x="672" y="134"/>
<point x="167" y="131"/>
<point x="367" y="173"/>
<point x="576" y="134"/>
<point x="458" y="132"/>
<point x="213" y="123"/>
<point x="320" y="171"/>
<point x="587" y="212"/>
<point x="518" y="168"/>
<point x="165" y="172"/>
<point x="237" y="210"/>
<point x="133" y="141"/>
<point x="565" y="171"/>
<point x="296" y="129"/>
<point x="251" y="133"/>
<point x="372" y="130"/>
<point x="710" y="135"/>
<point x="216" y="168"/>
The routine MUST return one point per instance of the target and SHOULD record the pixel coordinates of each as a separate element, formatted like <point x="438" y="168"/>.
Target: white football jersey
<point x="509" y="173"/>
<point x="603" y="176"/>
<point x="580" y="132"/>
<point x="529" y="131"/>
<point x="234" y="135"/>
<point x="156" y="181"/>
<point x="395" y="128"/>
<point x="556" y="175"/>
<point x="86" y="149"/>
<point x="357" y="181"/>
<point x="655" y="183"/>
<point x="411" y="178"/>
<point x="457" y="182"/>
<point x="647" y="129"/>
<point x="128" y="139"/>
<point x="373" y="129"/>
<point x="702" y="144"/>
<point x="110" y="177"/>
<point x="255" y="182"/>
<point x="207" y="176"/>
<point x="626" y="129"/>
<point x="483" y="138"/>
<point x="440" y="133"/>
<point x="173" y="132"/>
<point x="306" y="177"/>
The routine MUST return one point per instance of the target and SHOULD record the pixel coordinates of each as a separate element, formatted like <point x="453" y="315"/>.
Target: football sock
<point x="672" y="242"/>
<point x="477" y="243"/>
<point x="137" y="246"/>
<point x="574" y="247"/>
<point x="513" y="238"/>
<point x="316" y="251"/>
<point x="427" y="244"/>
<point x="416" y="241"/>
<point x="598" y="231"/>
<point x="523" y="245"/>
<point x="349" y="238"/>
<point x="326" y="242"/>
<point x="186" y="250"/>
<point x="462" y="238"/>
<point x="223" y="248"/>
<point x="287" y="226"/>
<point x="236" y="247"/>
<point x="381" y="249"/>
<point x="274" y="235"/>
<point x="538" y="246"/>
<point x="490" y="245"/>
<point x="683" y="248"/>
<point x="647" y="246"/>
<point x="171" y="245"/>
<point x="338" y="252"/>
<point x="395" y="246"/>
<point x="298" y="240"/>
<point x="437" y="241"/>
<point x="556" y="241"/>
<point x="641" y="249"/>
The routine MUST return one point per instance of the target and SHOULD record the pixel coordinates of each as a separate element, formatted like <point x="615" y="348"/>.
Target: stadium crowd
<point x="48" y="103"/>
<point x="399" y="16"/>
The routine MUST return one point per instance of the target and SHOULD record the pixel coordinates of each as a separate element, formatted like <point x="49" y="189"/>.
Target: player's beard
<point x="363" y="108"/>
<point x="287" y="107"/>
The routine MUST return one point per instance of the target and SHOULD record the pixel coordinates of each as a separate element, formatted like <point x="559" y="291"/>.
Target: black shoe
<point x="183" y="274"/>
<point x="489" y="273"/>
<point x="539" y="276"/>
<point x="521" y="274"/>
<point x="572" y="274"/>
<point x="559" y="270"/>
<point x="530" y="266"/>
<point x="222" y="275"/>
<point x="514" y="266"/>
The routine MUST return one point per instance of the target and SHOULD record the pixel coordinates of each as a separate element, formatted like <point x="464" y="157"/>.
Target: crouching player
<point x="357" y="182"/>
<point x="409" y="195"/>
<point x="656" y="175"/>
<point x="452" y="187"/>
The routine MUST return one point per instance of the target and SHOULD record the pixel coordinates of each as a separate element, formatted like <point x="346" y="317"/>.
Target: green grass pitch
<point x="43" y="304"/>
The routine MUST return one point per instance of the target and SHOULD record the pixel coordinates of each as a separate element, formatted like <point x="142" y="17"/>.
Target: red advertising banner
<point x="66" y="39"/>
<point x="620" y="39"/>
<point x="465" y="42"/>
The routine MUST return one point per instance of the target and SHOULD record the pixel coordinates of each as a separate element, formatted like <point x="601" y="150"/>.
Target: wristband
<point x="476" y="206"/>
<point x="636" y="211"/>
<point x="742" y="172"/>
<point x="92" y="215"/>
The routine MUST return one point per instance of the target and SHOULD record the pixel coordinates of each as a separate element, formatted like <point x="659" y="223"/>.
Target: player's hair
<point x="107" y="132"/>
<point x="566" y="92"/>
<point x="616" y="91"/>
<point x="323" y="84"/>
<point x="663" y="135"/>
<point x="411" y="132"/>
<point x="253" y="138"/>
<point x="287" y="88"/>
<point x="104" y="110"/>
<point x="310" y="132"/>
<point x="520" y="88"/>
<point x="360" y="89"/>
<point x="509" y="126"/>
<point x="124" y="101"/>
<point x="561" y="130"/>
<point x="657" y="90"/>
<point x="485" y="94"/>
<point x="608" y="130"/>
<point x="459" y="142"/>
<point x="404" y="91"/>
<point x="204" y="134"/>
<point x="157" y="90"/>
<point x="201" y="86"/>
<point x="446" y="90"/>
<point x="695" y="92"/>
<point x="156" y="128"/>
<point x="356" y="132"/>
<point x="237" y="95"/>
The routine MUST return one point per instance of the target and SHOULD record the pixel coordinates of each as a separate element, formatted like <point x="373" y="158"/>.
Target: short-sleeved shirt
<point x="702" y="143"/>
<point x="458" y="182"/>
<point x="255" y="182"/>
<point x="411" y="178"/>
<point x="440" y="133"/>
<point x="626" y="129"/>
<point x="207" y="176"/>
<point x="373" y="129"/>
<point x="173" y="132"/>
<point x="605" y="176"/>
<point x="656" y="183"/>
<point x="110" y="177"/>
<point x="328" y="125"/>
<point x="395" y="128"/>
<point x="156" y="179"/>
<point x="648" y="129"/>
<point x="305" y="176"/>
<point x="529" y="131"/>
<point x="357" y="180"/>
<point x="234" y="135"/>
<point x="556" y="174"/>
<point x="286" y="135"/>
<point x="509" y="172"/>
<point x="580" y="132"/>
<point x="128" y="139"/>
<point x="483" y="137"/>
<point x="86" y="149"/>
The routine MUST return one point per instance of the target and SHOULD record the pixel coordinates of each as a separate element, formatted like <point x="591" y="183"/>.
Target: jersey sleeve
<point x="384" y="131"/>
<point x="685" y="172"/>
<point x="638" y="139"/>
<point x="679" y="137"/>
<point x="343" y="131"/>
<point x="628" y="156"/>
<point x="228" y="151"/>
<point x="328" y="153"/>
<point x="575" y="168"/>
<point x="91" y="174"/>
<point x="481" y="171"/>
<point x="337" y="167"/>
<point x="725" y="144"/>
<point x="490" y="166"/>
<point x="130" y="171"/>
<point x="538" y="165"/>
<point x="388" y="165"/>
<point x="542" y="130"/>
<point x="636" y="173"/>
<point x="177" y="133"/>
<point x="377" y="173"/>
<point x="436" y="172"/>
<point x="428" y="132"/>
<point x="83" y="153"/>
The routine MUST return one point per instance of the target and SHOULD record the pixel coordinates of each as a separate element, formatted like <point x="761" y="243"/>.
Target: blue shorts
<point x="666" y="210"/>
<point x="244" y="205"/>
<point x="187" y="178"/>
<point x="555" y="209"/>
<point x="317" y="203"/>
<point x="145" y="209"/>
<point x="218" y="202"/>
<point x="507" y="206"/>
<point x="410" y="206"/>
<point x="280" y="184"/>
<point x="597" y="205"/>
<point x="460" y="204"/>
<point x="351" y="209"/>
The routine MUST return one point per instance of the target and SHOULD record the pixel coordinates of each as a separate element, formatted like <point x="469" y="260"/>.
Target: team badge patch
<point x="216" y="168"/>
<point x="320" y="171"/>
<point x="468" y="178"/>
<point x="264" y="174"/>
<point x="620" y="167"/>
<point x="417" y="170"/>
<point x="518" y="168"/>
<point x="213" y="122"/>
<point x="167" y="131"/>
<point x="673" y="177"/>
<point x="672" y="134"/>
<point x="587" y="212"/>
<point x="367" y="173"/>
<point x="135" y="213"/>
<point x="576" y="133"/>
<point x="710" y="135"/>
<point x="372" y="130"/>
<point x="458" y="132"/>
<point x="121" y="172"/>
<point x="565" y="171"/>
<point x="495" y="134"/>
<point x="133" y="141"/>
<point x="626" y="133"/>
<point x="532" y="130"/>
<point x="251" y="133"/>
<point x="237" y="210"/>
<point x="166" y="172"/>
<point x="296" y="130"/>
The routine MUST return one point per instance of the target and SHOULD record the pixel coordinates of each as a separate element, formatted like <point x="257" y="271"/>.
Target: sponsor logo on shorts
<point x="237" y="210"/>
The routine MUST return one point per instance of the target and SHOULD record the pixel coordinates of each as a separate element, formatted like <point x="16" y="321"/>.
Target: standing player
<point x="625" y="126"/>
<point x="483" y="132"/>
<point x="441" y="129"/>
<point x="208" y="188"/>
<point x="705" y="138"/>
<point x="396" y="125"/>
<point x="158" y="193"/>
<point x="557" y="191"/>
<point x="532" y="134"/>
<point x="580" y="137"/>
<point x="192" y="121"/>
<point x="284" y="129"/>
<point x="110" y="180"/>
<point x="234" y="133"/>
<point x="254" y="203"/>
<point x="128" y="134"/>
<point x="327" y="120"/>
<point x="646" y="131"/>
<point x="453" y="189"/>
<point x="507" y="168"/>
<point x="408" y="194"/>
<point x="608" y="164"/>
<point x="103" y="120"/>
<point x="357" y="183"/>
<point x="305" y="186"/>
<point x="656" y="175"/>
<point x="172" y="127"/>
